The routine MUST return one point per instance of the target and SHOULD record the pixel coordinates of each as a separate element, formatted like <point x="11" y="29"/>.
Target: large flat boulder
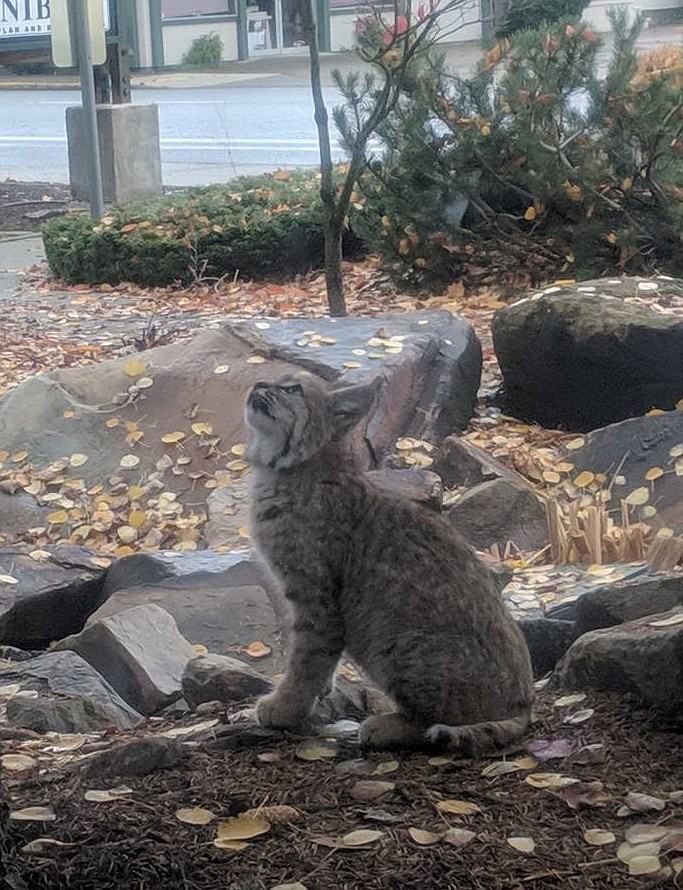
<point x="643" y="657"/>
<point x="221" y="601"/>
<point x="61" y="692"/>
<point x="140" y="652"/>
<point x="47" y="595"/>
<point x="626" y="600"/>
<point x="627" y="451"/>
<point x="499" y="512"/>
<point x="133" y="446"/>
<point x="583" y="356"/>
<point x="221" y="678"/>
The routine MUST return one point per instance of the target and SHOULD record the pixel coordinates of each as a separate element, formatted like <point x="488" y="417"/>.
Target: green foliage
<point x="523" y="15"/>
<point x="534" y="163"/>
<point x="255" y="226"/>
<point x="205" y="52"/>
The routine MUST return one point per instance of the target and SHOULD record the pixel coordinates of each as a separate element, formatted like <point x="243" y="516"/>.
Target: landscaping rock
<point x="432" y="375"/>
<point x="498" y="512"/>
<point x="140" y="652"/>
<point x="432" y="370"/>
<point x="139" y="757"/>
<point x="459" y="463"/>
<point x="547" y="640"/>
<point x="583" y="356"/>
<point x="624" y="601"/>
<point x="224" y="601"/>
<point x="221" y="678"/>
<point x="643" y="657"/>
<point x="52" y="595"/>
<point x="631" y="448"/>
<point x="63" y="693"/>
<point x="141" y="569"/>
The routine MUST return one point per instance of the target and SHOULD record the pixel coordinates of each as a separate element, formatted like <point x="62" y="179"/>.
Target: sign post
<point x="71" y="25"/>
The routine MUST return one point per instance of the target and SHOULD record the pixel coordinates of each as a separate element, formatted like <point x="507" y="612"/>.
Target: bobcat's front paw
<point x="277" y="712"/>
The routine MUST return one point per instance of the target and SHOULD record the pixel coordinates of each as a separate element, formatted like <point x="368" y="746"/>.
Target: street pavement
<point x="248" y="117"/>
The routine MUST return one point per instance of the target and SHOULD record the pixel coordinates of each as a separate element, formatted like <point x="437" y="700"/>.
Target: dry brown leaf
<point x="638" y="497"/>
<point x="361" y="837"/>
<point x="16" y="763"/>
<point x="458" y="837"/>
<point x="312" y="750"/>
<point x="639" y="802"/>
<point x="194" y="815"/>
<point x="424" y="838"/>
<point x="257" y="649"/>
<point x="458" y="807"/>
<point x="522" y="844"/>
<point x="242" y="828"/>
<point x="134" y="368"/>
<point x="369" y="789"/>
<point x="33" y="814"/>
<point x="598" y="837"/>
<point x="226" y="843"/>
<point x="386" y="767"/>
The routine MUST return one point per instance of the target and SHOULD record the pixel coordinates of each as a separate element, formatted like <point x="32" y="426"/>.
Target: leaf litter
<point x="288" y="815"/>
<point x="80" y="327"/>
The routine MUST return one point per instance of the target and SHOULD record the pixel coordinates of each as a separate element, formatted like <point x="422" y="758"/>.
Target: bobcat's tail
<point x="478" y="738"/>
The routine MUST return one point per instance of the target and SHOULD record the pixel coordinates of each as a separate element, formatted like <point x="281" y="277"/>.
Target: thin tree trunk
<point x="331" y="228"/>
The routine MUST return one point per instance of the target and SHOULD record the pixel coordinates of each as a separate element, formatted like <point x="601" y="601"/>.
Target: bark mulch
<point x="139" y="844"/>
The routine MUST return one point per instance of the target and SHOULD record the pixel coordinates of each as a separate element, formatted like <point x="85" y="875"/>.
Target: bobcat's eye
<point x="295" y="387"/>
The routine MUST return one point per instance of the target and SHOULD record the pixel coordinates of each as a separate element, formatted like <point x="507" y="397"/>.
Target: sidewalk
<point x="291" y="68"/>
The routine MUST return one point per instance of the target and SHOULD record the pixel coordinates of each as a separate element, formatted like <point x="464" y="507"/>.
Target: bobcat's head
<point x="297" y="414"/>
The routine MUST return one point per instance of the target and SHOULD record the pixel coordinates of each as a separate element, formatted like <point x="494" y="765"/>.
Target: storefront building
<point x="162" y="31"/>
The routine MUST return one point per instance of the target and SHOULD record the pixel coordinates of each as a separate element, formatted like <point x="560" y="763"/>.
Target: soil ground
<point x="17" y="199"/>
<point x="138" y="843"/>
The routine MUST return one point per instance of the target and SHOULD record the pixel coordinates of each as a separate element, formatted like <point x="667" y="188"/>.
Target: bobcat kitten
<point x="380" y="577"/>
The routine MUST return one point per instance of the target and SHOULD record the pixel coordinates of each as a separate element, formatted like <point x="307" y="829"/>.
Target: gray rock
<point x="460" y="463"/>
<point x="52" y="598"/>
<point x="638" y="657"/>
<point x="71" y="696"/>
<point x="161" y="565"/>
<point x="580" y="359"/>
<point x="140" y="652"/>
<point x="547" y="640"/>
<point x="432" y="377"/>
<point x="221" y="678"/>
<point x="623" y="601"/>
<point x="431" y="385"/>
<point x="631" y="448"/>
<point x="500" y="511"/>
<point x="222" y="601"/>
<point x="137" y="758"/>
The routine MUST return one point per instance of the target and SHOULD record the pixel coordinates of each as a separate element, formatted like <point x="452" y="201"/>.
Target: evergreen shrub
<point x="537" y="163"/>
<point x="257" y="226"/>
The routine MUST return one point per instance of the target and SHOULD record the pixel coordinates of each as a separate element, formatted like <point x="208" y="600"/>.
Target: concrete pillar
<point x="129" y="152"/>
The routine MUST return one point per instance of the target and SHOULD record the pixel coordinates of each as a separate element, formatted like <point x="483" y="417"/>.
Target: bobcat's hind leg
<point x="391" y="731"/>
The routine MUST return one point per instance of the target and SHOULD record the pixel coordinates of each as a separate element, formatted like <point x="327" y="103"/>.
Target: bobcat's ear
<point x="351" y="403"/>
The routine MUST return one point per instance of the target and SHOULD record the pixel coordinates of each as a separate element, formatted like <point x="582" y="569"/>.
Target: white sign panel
<point x="62" y="51"/>
<point x="33" y="18"/>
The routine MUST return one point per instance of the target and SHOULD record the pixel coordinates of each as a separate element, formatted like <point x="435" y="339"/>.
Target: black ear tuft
<point x="351" y="403"/>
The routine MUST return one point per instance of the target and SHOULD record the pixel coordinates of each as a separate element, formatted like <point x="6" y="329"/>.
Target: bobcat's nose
<point x="258" y="398"/>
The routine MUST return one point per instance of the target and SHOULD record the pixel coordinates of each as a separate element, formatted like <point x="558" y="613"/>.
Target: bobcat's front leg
<point x="316" y="644"/>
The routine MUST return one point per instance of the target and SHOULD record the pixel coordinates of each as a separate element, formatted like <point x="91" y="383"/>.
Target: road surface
<point x="207" y="135"/>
